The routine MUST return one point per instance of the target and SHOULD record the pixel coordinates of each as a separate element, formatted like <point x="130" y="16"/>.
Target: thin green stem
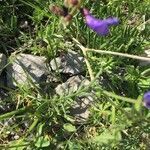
<point x="86" y="60"/>
<point x="112" y="53"/>
<point x="126" y="99"/>
<point x="88" y="64"/>
<point x="33" y="124"/>
<point x="119" y="54"/>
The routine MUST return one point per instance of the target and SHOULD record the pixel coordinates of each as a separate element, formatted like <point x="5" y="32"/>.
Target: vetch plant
<point x="100" y="26"/>
<point x="117" y="81"/>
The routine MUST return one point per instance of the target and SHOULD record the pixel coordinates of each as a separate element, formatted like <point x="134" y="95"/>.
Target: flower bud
<point x="84" y="11"/>
<point x="74" y="2"/>
<point x="58" y="11"/>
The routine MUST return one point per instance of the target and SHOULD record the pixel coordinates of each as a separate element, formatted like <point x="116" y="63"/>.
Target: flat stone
<point x="3" y="61"/>
<point x="24" y="68"/>
<point x="81" y="105"/>
<point x="71" y="63"/>
<point x="71" y="85"/>
<point x="80" y="108"/>
<point x="52" y="78"/>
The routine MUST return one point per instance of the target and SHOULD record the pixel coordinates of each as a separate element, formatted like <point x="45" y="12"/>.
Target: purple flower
<point x="101" y="27"/>
<point x="147" y="99"/>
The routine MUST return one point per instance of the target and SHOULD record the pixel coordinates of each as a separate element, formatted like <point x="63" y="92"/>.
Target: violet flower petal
<point x="102" y="30"/>
<point x="101" y="27"/>
<point x="147" y="99"/>
<point x="112" y="21"/>
<point x="97" y="25"/>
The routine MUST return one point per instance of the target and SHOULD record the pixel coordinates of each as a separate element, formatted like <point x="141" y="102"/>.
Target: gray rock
<point x="25" y="68"/>
<point x="52" y="78"/>
<point x="71" y="63"/>
<point x="80" y="108"/>
<point x="81" y="105"/>
<point x="3" y="62"/>
<point x="71" y="85"/>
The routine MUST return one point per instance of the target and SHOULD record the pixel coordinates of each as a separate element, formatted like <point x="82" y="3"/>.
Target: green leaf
<point x="103" y="138"/>
<point x="40" y="129"/>
<point x="42" y="142"/>
<point x="138" y="104"/>
<point x="13" y="22"/>
<point x="107" y="137"/>
<point x="69" y="127"/>
<point x="69" y="118"/>
<point x="73" y="146"/>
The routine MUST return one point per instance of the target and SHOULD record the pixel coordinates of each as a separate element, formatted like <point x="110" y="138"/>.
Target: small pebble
<point x="16" y="137"/>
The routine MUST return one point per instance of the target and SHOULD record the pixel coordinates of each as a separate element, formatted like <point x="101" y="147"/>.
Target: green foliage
<point x="115" y="122"/>
<point x="69" y="127"/>
<point x="42" y="142"/>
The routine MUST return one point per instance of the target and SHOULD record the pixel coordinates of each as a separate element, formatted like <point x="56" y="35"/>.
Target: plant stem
<point x="119" y="54"/>
<point x="126" y="99"/>
<point x="88" y="64"/>
<point x="86" y="60"/>
<point x="33" y="125"/>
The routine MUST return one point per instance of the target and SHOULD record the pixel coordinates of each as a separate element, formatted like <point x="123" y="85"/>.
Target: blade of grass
<point x="15" y="112"/>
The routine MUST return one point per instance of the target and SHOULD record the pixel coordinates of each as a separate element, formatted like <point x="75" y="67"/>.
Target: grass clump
<point x="40" y="120"/>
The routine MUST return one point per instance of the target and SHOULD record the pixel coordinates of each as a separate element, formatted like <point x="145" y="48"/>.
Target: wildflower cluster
<point x="100" y="26"/>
